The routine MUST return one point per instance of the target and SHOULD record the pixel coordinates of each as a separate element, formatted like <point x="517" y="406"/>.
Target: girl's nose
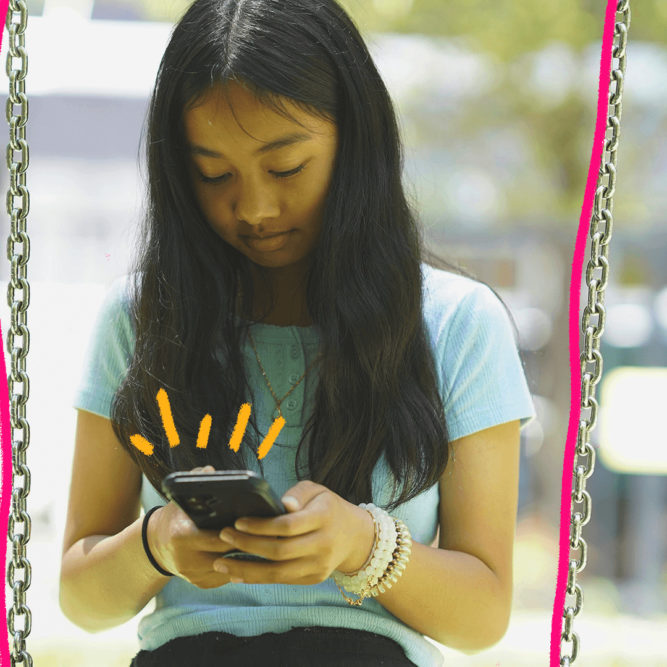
<point x="255" y="203"/>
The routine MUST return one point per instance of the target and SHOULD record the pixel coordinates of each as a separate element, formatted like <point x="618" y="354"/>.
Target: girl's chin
<point x="275" y="262"/>
<point x="281" y="252"/>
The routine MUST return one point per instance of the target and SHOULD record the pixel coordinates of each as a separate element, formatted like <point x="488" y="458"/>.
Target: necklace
<point x="268" y="382"/>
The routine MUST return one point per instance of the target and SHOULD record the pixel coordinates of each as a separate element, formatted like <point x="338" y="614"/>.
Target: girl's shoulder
<point x="119" y="289"/>
<point x="450" y="297"/>
<point x="474" y="341"/>
<point x="117" y="296"/>
<point x="114" y="314"/>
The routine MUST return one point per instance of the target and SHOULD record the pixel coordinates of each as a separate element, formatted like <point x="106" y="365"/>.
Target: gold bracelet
<point x="370" y="555"/>
<point x="364" y="593"/>
<point x="351" y="601"/>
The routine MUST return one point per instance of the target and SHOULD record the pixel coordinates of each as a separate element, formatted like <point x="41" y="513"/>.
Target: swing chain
<point x="592" y="327"/>
<point x="18" y="336"/>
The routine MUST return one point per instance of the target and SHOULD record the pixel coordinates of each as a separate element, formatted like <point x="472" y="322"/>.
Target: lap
<point x="300" y="647"/>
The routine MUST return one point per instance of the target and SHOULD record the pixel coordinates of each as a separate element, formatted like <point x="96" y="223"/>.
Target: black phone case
<point x="214" y="500"/>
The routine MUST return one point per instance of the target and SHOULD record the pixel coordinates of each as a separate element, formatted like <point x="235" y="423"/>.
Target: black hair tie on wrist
<point x="144" y="539"/>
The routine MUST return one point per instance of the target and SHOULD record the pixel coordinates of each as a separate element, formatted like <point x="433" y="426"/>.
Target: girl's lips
<point x="268" y="243"/>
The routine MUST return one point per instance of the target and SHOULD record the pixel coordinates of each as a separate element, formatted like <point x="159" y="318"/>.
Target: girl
<point x="281" y="265"/>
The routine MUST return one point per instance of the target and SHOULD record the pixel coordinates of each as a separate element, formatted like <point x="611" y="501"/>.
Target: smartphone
<point x="214" y="500"/>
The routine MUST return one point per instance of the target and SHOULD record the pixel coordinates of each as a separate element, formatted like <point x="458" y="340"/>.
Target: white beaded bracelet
<point x="381" y="556"/>
<point x="398" y="562"/>
<point x="399" y="559"/>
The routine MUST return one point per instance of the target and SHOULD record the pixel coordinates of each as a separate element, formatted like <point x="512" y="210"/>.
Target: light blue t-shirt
<point x="481" y="382"/>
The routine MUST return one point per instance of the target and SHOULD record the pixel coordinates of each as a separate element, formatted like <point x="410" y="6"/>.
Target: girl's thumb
<point x="291" y="503"/>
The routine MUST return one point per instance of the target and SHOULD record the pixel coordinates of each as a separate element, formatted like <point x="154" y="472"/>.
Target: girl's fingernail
<point x="220" y="567"/>
<point x="290" y="500"/>
<point x="225" y="536"/>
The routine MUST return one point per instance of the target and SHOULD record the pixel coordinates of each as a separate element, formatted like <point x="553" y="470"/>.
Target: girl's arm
<point x="106" y="580"/>
<point x="105" y="576"/>
<point x="461" y="593"/>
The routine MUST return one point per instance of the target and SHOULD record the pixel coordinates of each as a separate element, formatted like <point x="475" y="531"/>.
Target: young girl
<point x="280" y="265"/>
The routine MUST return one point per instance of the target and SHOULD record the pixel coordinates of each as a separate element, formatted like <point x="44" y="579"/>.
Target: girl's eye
<point x="277" y="174"/>
<point x="287" y="174"/>
<point x="217" y="179"/>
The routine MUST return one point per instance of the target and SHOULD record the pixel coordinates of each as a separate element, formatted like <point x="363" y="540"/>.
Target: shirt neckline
<point x="274" y="331"/>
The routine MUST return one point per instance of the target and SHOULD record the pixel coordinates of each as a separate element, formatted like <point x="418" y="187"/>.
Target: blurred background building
<point x="497" y="107"/>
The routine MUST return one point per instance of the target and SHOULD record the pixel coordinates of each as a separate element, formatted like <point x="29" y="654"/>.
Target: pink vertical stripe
<point x="574" y="321"/>
<point x="6" y="449"/>
<point x="6" y="488"/>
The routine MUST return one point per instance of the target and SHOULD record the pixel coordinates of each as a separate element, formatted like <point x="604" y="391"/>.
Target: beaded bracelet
<point x="393" y="569"/>
<point x="398" y="562"/>
<point x="379" y="557"/>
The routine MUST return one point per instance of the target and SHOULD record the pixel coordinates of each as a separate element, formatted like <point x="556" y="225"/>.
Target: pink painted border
<point x="6" y="450"/>
<point x="574" y="321"/>
<point x="5" y="498"/>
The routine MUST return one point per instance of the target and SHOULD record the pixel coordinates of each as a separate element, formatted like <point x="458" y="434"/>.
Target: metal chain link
<point x="592" y="326"/>
<point x="18" y="337"/>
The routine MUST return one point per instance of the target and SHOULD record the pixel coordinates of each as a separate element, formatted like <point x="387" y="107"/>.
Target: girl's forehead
<point x="235" y="109"/>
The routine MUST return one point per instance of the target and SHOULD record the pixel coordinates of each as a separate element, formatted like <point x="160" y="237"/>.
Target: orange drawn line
<point x="204" y="431"/>
<point x="142" y="444"/>
<point x="167" y="418"/>
<point x="270" y="438"/>
<point x="239" y="429"/>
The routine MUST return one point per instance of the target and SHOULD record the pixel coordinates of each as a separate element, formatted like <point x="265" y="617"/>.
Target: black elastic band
<point x="144" y="539"/>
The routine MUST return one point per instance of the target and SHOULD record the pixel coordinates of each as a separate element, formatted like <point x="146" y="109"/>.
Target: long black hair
<point x="377" y="392"/>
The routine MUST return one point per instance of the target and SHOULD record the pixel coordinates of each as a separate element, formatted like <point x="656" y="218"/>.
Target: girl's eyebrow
<point x="266" y="148"/>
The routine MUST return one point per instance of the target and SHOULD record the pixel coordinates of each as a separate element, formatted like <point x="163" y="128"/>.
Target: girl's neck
<point x="285" y="313"/>
<point x="289" y="296"/>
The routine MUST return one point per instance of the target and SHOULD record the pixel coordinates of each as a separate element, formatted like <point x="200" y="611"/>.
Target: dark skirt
<point x="299" y="647"/>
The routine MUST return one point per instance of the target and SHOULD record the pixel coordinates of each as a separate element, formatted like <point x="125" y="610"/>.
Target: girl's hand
<point x="321" y="533"/>
<point x="183" y="549"/>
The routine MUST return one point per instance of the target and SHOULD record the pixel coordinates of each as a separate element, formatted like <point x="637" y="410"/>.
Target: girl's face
<point x="261" y="179"/>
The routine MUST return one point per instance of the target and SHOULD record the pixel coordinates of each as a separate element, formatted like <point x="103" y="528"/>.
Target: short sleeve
<point x="108" y="354"/>
<point x="482" y="378"/>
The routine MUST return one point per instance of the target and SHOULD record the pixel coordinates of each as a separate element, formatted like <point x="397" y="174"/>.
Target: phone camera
<point x="196" y="504"/>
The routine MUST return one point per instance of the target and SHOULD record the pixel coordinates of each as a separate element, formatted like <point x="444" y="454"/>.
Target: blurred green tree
<point x="506" y="28"/>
